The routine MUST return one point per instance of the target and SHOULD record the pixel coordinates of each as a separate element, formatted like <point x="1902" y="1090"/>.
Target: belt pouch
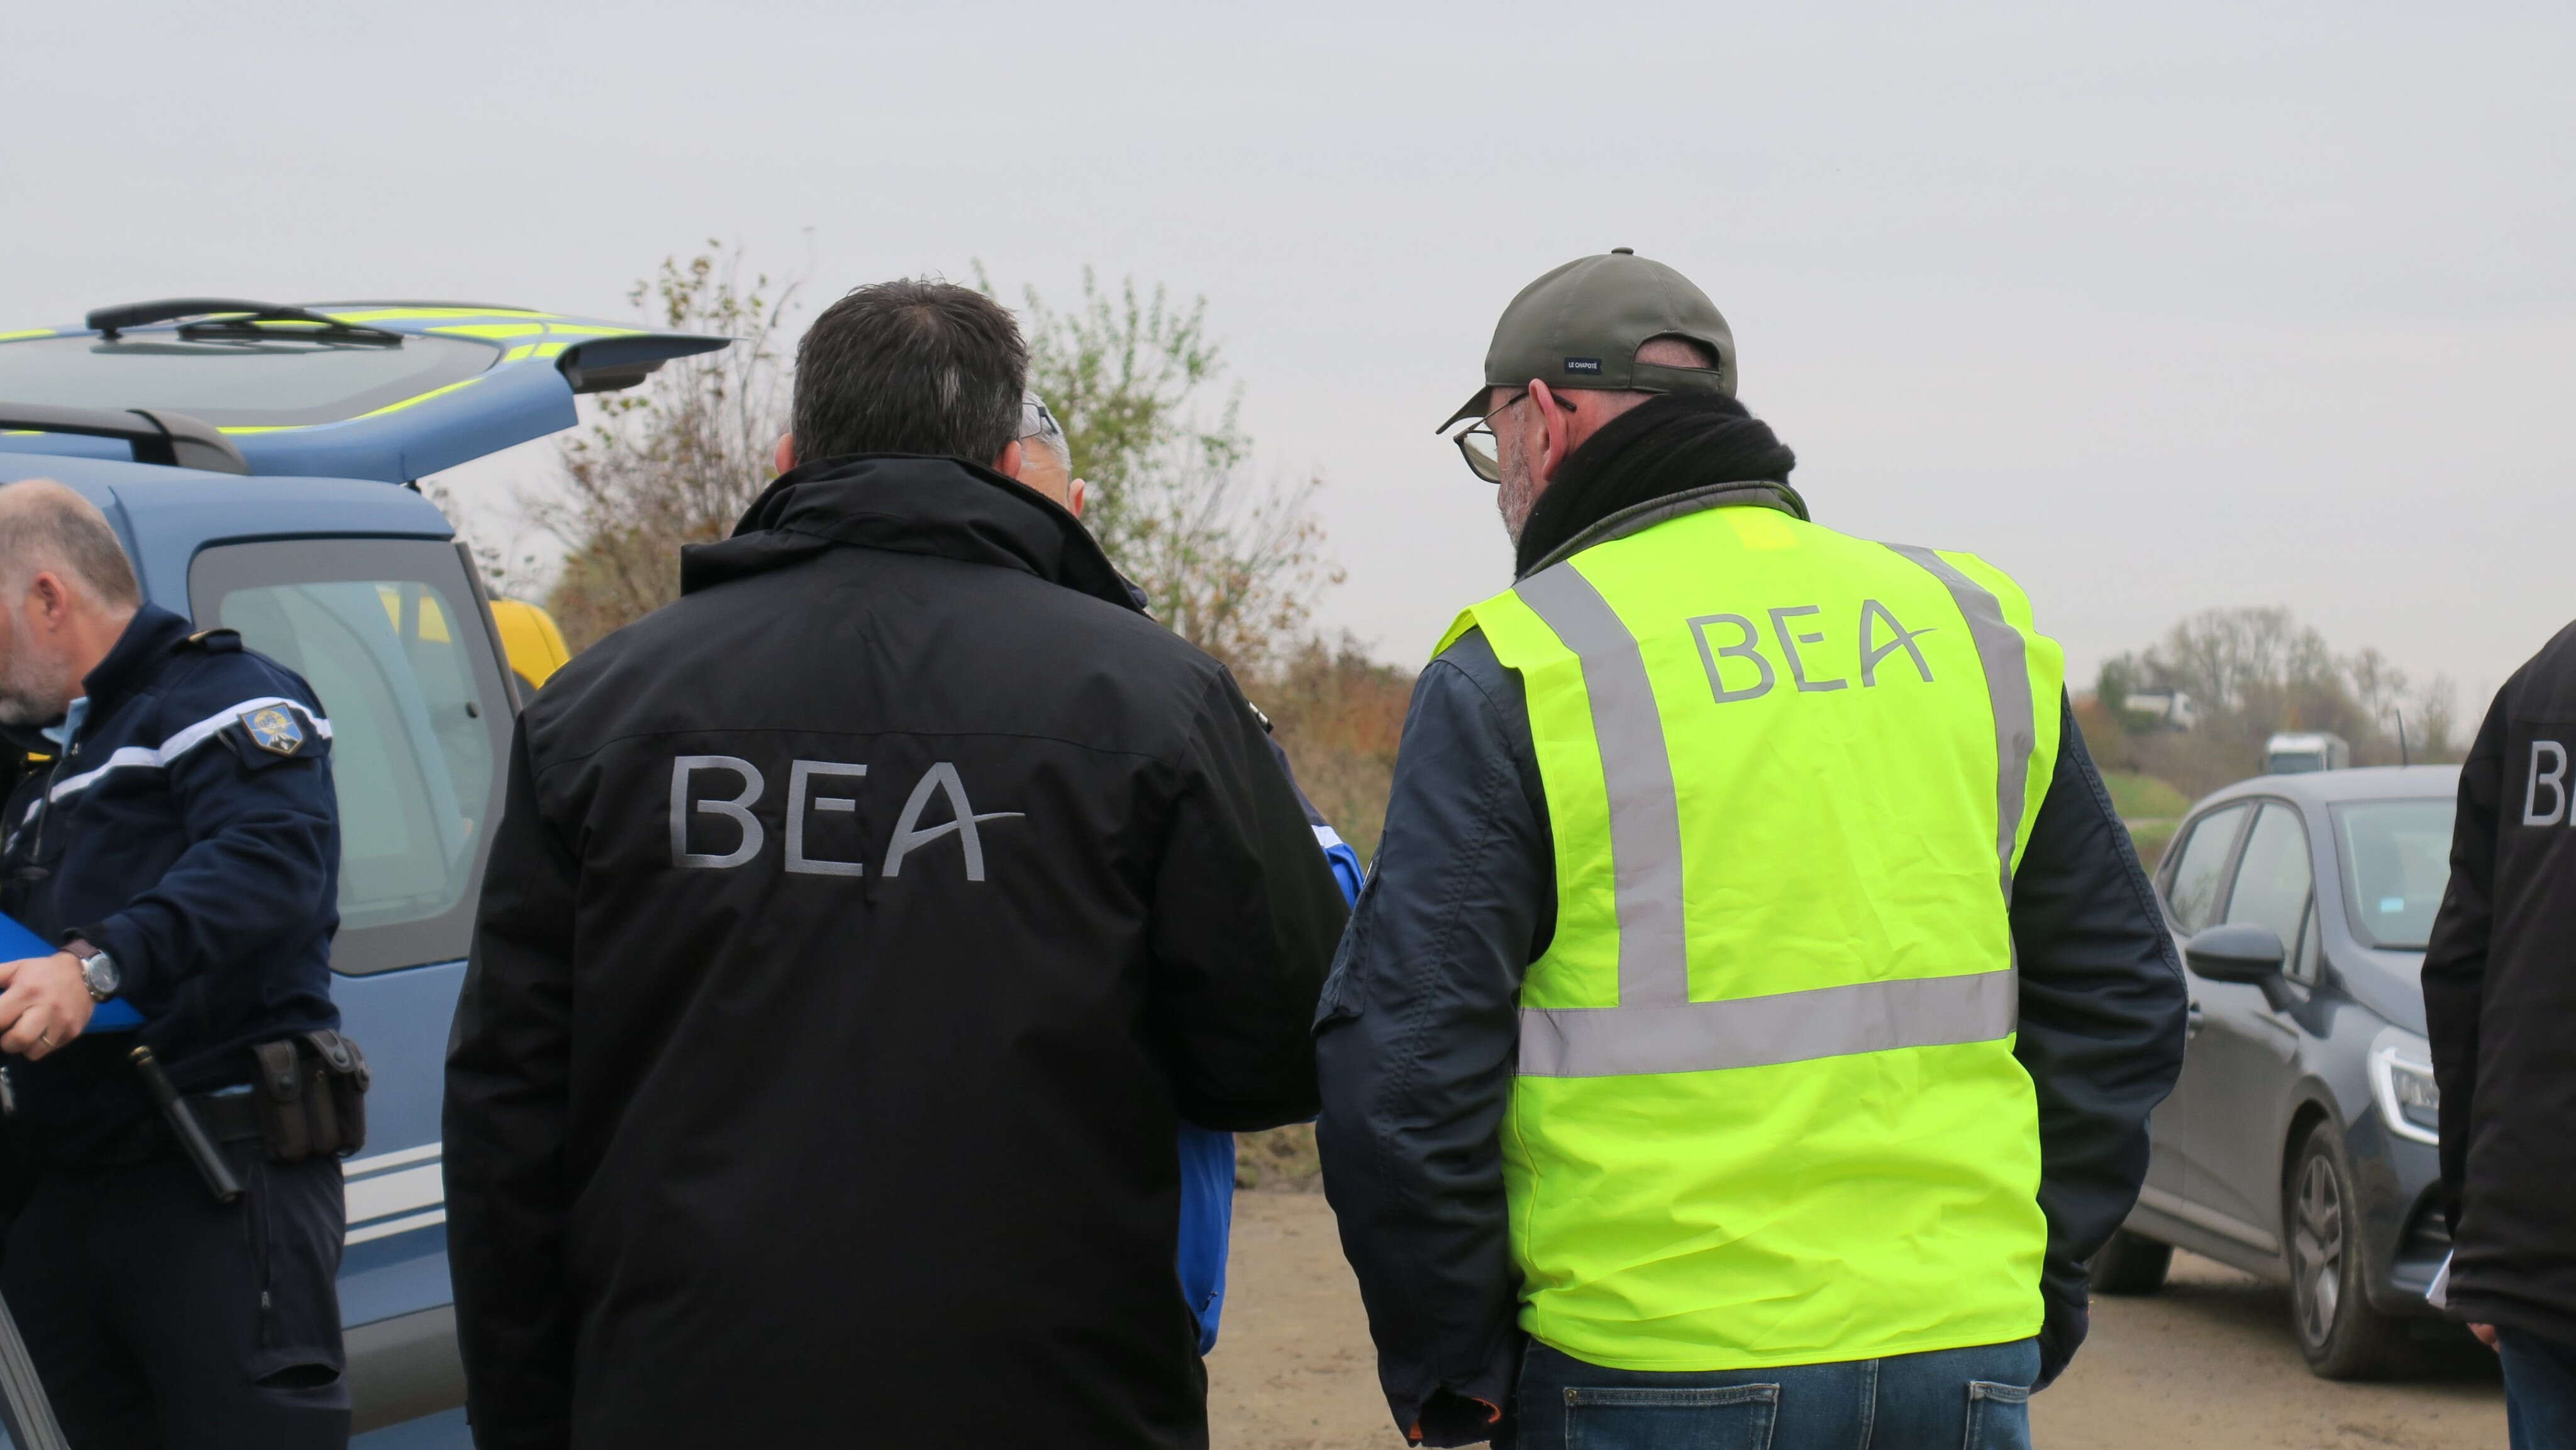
<point x="340" y="1081"/>
<point x="283" y="1122"/>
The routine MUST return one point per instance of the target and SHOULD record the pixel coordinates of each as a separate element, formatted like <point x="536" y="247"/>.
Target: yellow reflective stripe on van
<point x="491" y="330"/>
<point x="423" y="314"/>
<point x="423" y="398"/>
<point x="378" y="413"/>
<point x="30" y="332"/>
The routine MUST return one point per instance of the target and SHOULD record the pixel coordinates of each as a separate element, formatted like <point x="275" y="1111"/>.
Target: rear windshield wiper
<point x="233" y="318"/>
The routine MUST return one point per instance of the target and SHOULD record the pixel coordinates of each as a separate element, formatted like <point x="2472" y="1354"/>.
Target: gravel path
<point x="2208" y="1363"/>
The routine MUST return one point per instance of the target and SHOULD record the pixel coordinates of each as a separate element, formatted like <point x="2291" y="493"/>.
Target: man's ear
<point x="785" y="457"/>
<point x="1013" y="457"/>
<point x="1076" y="494"/>
<point x="1558" y="420"/>
<point x="49" y="598"/>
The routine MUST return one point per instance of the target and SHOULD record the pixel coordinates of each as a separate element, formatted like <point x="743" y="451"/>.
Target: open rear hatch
<point x="385" y="390"/>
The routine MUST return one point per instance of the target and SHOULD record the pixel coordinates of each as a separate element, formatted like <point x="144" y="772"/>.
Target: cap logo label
<point x="1591" y="365"/>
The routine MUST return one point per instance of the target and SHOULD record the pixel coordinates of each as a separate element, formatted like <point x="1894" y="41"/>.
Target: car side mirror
<point x="2239" y="952"/>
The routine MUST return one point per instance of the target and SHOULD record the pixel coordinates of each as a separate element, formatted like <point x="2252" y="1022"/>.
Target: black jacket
<point x="191" y="833"/>
<point x="2500" y="1007"/>
<point x="858" y="930"/>
<point x="1418" y="1034"/>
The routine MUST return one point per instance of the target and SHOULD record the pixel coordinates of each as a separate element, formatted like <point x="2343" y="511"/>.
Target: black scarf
<point x="1672" y="443"/>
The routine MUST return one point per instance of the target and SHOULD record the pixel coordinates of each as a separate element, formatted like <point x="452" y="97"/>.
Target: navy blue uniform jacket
<point x="190" y="831"/>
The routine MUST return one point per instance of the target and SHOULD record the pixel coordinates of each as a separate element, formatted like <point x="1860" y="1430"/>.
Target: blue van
<point x="262" y="465"/>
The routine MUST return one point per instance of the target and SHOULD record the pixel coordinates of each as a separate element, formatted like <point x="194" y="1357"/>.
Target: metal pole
<point x="24" y="1411"/>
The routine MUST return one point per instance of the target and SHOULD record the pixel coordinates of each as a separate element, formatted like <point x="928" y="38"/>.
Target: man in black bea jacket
<point x="2500" y="1007"/>
<point x="858" y="931"/>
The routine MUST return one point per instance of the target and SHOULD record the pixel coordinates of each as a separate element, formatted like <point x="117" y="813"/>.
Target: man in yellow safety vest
<point x="1751" y="1024"/>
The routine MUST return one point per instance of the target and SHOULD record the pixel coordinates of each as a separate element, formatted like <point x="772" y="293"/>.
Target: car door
<point x="2194" y="890"/>
<point x="2244" y="1062"/>
<point x="391" y="634"/>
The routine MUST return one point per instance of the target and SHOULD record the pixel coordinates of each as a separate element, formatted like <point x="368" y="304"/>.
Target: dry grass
<point x="1339" y="714"/>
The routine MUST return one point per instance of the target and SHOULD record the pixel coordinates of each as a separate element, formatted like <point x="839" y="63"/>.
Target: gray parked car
<point x="2300" y="1143"/>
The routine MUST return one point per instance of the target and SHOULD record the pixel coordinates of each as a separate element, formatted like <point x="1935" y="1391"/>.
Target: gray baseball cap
<point x="1580" y="326"/>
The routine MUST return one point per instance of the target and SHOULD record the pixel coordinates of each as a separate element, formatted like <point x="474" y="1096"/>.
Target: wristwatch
<point x="98" y="970"/>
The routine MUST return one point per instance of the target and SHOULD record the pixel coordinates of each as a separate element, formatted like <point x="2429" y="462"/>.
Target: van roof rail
<point x="155" y="435"/>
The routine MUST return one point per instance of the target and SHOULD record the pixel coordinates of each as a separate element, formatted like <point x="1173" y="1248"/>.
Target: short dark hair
<point x="910" y="366"/>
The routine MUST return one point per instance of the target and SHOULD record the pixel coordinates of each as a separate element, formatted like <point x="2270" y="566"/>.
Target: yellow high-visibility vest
<point x="1767" y="1111"/>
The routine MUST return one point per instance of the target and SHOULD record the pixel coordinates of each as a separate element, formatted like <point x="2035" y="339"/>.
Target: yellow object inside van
<point x="529" y="637"/>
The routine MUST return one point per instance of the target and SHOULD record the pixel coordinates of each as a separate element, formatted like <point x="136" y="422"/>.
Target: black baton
<point x="201" y="1150"/>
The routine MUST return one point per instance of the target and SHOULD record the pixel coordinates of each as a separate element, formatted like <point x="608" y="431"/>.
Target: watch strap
<point x="85" y="953"/>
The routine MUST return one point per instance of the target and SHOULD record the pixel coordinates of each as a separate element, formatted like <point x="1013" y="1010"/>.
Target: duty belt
<point x="228" y="1117"/>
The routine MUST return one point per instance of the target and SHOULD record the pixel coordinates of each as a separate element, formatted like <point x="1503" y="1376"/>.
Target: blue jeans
<point x="2539" y="1390"/>
<point x="1978" y="1399"/>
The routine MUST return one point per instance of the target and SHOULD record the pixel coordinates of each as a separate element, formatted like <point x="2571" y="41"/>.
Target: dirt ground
<point x="2210" y="1362"/>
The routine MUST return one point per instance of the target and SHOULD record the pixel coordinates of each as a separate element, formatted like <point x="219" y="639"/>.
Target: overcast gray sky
<point x="2157" y="307"/>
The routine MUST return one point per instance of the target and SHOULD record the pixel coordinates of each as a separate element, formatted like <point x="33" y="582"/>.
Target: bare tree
<point x="2256" y="671"/>
<point x="1232" y="563"/>
<point x="676" y="460"/>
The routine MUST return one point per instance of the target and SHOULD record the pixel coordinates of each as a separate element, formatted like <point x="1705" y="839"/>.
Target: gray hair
<point x="45" y="526"/>
<point x="1038" y="427"/>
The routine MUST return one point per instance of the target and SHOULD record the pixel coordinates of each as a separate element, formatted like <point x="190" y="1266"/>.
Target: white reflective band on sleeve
<point x="1636" y="769"/>
<point x="1767" y="1031"/>
<point x="137" y="757"/>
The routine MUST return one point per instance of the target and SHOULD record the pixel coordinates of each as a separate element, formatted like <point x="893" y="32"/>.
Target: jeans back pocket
<point x="1998" y="1417"/>
<point x="1730" y="1417"/>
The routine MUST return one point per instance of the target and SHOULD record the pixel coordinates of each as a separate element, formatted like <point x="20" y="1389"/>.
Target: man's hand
<point x="2486" y="1334"/>
<point x="43" y="1004"/>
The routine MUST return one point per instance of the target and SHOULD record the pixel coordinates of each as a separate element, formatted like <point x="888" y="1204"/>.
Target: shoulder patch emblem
<point x="275" y="731"/>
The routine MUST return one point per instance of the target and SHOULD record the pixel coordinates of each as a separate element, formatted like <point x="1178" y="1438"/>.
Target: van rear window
<point x="277" y="382"/>
<point x="389" y="633"/>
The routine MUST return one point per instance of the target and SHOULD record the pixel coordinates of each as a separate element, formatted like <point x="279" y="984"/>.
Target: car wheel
<point x="2130" y="1264"/>
<point x="2341" y="1335"/>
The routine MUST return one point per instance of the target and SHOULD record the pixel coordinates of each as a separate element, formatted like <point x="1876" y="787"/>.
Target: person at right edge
<point x="1749" y="1029"/>
<point x="2500" y="1009"/>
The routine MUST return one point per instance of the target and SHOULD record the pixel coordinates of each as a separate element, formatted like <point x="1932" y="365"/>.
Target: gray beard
<point x="26" y="698"/>
<point x="1515" y="499"/>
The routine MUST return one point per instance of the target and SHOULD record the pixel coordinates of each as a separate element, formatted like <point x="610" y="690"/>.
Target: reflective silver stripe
<point x="144" y="757"/>
<point x="1656" y="1028"/>
<point x="2000" y="655"/>
<point x="1767" y="1031"/>
<point x="1645" y="812"/>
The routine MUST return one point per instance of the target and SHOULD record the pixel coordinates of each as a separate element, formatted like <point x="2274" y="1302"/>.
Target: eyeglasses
<point x="1037" y="420"/>
<point x="1476" y="443"/>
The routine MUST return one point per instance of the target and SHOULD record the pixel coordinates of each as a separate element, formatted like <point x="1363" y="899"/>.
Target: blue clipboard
<point x="16" y="943"/>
